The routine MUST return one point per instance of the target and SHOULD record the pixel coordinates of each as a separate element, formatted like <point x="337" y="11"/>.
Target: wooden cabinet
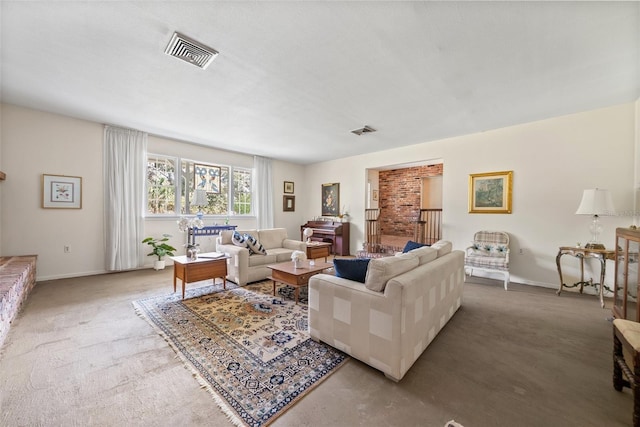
<point x="626" y="285"/>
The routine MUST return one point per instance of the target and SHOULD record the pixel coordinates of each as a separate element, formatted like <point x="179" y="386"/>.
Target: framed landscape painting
<point x="490" y="192"/>
<point x="61" y="192"/>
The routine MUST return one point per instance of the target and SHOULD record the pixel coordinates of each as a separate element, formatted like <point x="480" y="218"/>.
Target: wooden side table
<point x="601" y="254"/>
<point x="206" y="266"/>
<point x="318" y="250"/>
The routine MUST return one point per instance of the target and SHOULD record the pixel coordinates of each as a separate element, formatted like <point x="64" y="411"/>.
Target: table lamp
<point x="596" y="202"/>
<point x="199" y="199"/>
<point x="308" y="232"/>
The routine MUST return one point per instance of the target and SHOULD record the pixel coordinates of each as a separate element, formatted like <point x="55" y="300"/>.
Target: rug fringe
<point x="229" y="412"/>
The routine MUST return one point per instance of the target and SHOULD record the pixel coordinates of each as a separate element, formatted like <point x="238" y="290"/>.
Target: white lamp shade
<point x="308" y="232"/>
<point x="199" y="198"/>
<point x="596" y="201"/>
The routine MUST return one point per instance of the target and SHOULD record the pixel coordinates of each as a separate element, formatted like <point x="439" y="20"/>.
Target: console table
<point x="601" y="254"/>
<point x="210" y="230"/>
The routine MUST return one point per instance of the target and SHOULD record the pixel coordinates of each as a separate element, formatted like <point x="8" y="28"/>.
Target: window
<point x="199" y="186"/>
<point x="161" y="191"/>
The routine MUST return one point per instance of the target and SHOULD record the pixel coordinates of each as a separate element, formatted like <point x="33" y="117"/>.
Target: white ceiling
<point x="293" y="78"/>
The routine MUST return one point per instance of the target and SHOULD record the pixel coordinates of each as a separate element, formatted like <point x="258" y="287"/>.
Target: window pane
<point x="161" y="192"/>
<point x="242" y="192"/>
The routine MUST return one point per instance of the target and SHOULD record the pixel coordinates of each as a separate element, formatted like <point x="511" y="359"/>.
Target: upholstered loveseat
<point x="390" y="319"/>
<point x="246" y="266"/>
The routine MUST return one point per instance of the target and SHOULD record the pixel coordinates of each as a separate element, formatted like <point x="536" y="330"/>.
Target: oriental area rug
<point x="249" y="349"/>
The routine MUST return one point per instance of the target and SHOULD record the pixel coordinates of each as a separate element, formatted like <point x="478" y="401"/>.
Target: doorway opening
<point x="408" y="202"/>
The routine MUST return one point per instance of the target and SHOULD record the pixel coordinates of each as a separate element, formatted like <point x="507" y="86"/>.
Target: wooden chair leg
<point x="618" y="382"/>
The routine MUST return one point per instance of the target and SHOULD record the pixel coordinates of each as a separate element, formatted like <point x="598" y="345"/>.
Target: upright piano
<point x="336" y="233"/>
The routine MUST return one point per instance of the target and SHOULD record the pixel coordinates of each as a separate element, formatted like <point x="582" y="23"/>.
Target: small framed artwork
<point x="331" y="199"/>
<point x="289" y="203"/>
<point x="61" y="192"/>
<point x="206" y="177"/>
<point x="490" y="192"/>
<point x="288" y="187"/>
<point x="375" y="195"/>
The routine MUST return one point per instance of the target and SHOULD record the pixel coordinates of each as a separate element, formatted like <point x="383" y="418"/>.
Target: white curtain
<point x="125" y="155"/>
<point x="263" y="192"/>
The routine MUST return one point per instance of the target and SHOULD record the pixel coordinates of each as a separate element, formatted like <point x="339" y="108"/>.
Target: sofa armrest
<point x="238" y="264"/>
<point x="295" y="245"/>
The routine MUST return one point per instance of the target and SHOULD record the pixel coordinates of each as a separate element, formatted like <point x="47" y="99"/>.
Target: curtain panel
<point x="125" y="153"/>
<point x="263" y="192"/>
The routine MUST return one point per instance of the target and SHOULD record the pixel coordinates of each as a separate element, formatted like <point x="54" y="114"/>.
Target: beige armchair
<point x="489" y="252"/>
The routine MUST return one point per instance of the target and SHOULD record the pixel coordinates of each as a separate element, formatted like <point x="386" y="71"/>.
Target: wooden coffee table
<point x="286" y="273"/>
<point x="206" y="266"/>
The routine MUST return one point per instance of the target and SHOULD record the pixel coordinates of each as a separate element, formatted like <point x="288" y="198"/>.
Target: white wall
<point x="553" y="161"/>
<point x="35" y="142"/>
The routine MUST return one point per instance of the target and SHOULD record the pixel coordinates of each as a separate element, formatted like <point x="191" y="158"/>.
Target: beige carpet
<point x="78" y="355"/>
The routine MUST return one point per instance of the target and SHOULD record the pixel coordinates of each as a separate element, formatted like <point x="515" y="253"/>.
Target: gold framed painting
<point x="61" y="192"/>
<point x="490" y="192"/>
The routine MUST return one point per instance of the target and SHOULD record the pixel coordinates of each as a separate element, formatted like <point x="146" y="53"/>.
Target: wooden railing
<point x="428" y="228"/>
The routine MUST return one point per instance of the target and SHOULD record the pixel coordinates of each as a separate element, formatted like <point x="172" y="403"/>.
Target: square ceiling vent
<point x="191" y="51"/>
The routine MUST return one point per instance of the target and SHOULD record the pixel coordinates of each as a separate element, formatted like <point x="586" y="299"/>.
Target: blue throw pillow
<point x="411" y="245"/>
<point x="351" y="268"/>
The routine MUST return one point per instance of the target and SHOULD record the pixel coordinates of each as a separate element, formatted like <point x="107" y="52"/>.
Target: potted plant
<point x="160" y="249"/>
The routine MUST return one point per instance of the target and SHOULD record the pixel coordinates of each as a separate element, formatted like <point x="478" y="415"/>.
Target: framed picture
<point x="289" y="203"/>
<point x="207" y="178"/>
<point x="375" y="195"/>
<point x="288" y="187"/>
<point x="61" y="192"/>
<point x="490" y="192"/>
<point x="331" y="199"/>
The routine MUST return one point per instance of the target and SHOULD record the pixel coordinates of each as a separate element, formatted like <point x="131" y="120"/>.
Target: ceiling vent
<point x="191" y="51"/>
<point x="365" y="129"/>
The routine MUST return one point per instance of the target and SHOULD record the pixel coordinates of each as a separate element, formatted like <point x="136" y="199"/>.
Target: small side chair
<point x="489" y="252"/>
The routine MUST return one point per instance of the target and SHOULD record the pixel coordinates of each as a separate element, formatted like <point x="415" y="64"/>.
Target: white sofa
<point x="389" y="329"/>
<point x="243" y="267"/>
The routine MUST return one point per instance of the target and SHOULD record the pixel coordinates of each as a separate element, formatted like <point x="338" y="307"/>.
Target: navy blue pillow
<point x="411" y="245"/>
<point x="351" y="268"/>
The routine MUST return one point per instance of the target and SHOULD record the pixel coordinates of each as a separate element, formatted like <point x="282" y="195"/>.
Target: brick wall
<point x="400" y="198"/>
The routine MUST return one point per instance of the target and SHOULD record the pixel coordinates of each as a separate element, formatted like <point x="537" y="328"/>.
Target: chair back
<point x="491" y="238"/>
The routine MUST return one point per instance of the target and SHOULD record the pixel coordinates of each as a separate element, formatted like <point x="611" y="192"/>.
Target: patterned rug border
<point x="224" y="406"/>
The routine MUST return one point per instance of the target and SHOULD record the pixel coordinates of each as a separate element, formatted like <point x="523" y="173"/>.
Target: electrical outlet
<point x="67" y="249"/>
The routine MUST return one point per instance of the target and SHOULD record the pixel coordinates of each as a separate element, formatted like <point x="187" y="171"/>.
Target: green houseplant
<point x="160" y="249"/>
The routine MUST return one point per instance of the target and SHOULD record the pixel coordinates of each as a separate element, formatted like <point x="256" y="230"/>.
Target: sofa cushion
<point x="411" y="245"/>
<point x="254" y="245"/>
<point x="380" y="270"/>
<point x="443" y="247"/>
<point x="272" y="237"/>
<point x="425" y="254"/>
<point x="352" y="269"/>
<point x="281" y="254"/>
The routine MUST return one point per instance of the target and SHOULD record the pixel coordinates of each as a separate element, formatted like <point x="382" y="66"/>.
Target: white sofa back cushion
<point x="380" y="270"/>
<point x="425" y="254"/>
<point x="272" y="238"/>
<point x="443" y="247"/>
